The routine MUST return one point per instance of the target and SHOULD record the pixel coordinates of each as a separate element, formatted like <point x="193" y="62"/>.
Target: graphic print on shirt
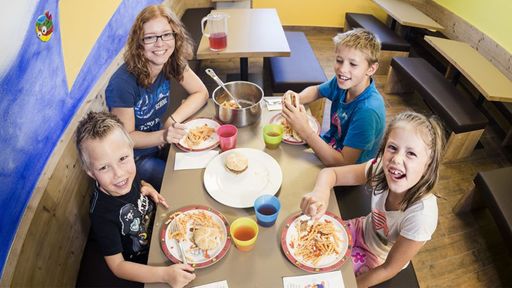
<point x="149" y="102"/>
<point x="379" y="221"/>
<point x="135" y="221"/>
<point x="336" y="124"/>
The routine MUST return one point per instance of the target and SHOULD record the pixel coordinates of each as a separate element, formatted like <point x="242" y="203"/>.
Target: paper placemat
<point x="219" y="284"/>
<point x="193" y="160"/>
<point x="320" y="280"/>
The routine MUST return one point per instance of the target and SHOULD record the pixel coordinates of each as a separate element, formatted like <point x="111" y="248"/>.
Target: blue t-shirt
<point x="149" y="104"/>
<point x="359" y="124"/>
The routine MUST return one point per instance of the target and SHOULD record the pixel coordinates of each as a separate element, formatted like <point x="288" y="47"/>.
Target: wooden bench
<point x="355" y="201"/>
<point x="298" y="71"/>
<point x="492" y="190"/>
<point x="391" y="44"/>
<point x="458" y="113"/>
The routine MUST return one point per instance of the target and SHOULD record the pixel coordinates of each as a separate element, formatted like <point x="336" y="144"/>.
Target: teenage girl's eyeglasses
<point x="153" y="38"/>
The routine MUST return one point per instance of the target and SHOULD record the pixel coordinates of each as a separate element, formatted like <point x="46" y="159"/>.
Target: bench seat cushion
<point x="458" y="112"/>
<point x="298" y="71"/>
<point x="355" y="201"/>
<point x="388" y="38"/>
<point x="494" y="188"/>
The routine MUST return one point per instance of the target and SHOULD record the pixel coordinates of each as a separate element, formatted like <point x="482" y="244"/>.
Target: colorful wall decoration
<point x="36" y="104"/>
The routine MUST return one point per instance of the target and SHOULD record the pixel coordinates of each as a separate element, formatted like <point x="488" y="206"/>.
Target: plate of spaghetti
<point x="316" y="246"/>
<point x="203" y="233"/>
<point x="200" y="135"/>
<point x="289" y="135"/>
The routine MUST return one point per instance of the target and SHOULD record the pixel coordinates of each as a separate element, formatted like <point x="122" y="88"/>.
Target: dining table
<point x="252" y="33"/>
<point x="266" y="264"/>
<point x="492" y="84"/>
<point x="407" y="15"/>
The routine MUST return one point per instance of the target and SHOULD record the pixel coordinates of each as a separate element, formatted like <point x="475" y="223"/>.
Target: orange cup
<point x="244" y="232"/>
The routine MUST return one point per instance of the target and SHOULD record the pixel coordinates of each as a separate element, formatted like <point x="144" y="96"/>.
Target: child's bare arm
<point x="402" y="252"/>
<point x="177" y="275"/>
<point x="315" y="203"/>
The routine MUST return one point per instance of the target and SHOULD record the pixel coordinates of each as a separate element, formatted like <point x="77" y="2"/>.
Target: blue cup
<point x="267" y="208"/>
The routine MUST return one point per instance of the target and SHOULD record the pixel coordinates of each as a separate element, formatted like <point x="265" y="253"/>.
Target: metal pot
<point x="249" y="97"/>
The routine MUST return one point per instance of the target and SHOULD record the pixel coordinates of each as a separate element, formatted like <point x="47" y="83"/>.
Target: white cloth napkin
<point x="193" y="160"/>
<point x="329" y="279"/>
<point x="219" y="284"/>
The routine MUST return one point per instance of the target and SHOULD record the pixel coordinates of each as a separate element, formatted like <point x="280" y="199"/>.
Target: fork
<point x="175" y="228"/>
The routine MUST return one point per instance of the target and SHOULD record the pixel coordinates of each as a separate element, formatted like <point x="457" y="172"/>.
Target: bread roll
<point x="236" y="162"/>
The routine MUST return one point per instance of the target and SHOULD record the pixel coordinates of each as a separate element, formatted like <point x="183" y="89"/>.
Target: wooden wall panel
<point x="457" y="28"/>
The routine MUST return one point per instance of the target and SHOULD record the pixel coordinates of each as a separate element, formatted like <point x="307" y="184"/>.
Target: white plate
<point x="263" y="176"/>
<point x="289" y="240"/>
<point x="209" y="143"/>
<point x="288" y="138"/>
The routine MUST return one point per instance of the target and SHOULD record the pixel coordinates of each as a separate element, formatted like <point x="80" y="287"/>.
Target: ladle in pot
<point x="214" y="76"/>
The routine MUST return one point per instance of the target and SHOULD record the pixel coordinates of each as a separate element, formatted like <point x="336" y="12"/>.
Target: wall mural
<point x="36" y="105"/>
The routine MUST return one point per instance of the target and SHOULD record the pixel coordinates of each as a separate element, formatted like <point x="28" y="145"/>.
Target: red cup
<point x="227" y="136"/>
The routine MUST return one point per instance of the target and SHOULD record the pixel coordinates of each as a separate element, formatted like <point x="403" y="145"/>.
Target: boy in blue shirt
<point x="358" y="116"/>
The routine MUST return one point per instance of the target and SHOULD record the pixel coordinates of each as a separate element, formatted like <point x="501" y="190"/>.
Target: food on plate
<point x="236" y="162"/>
<point x="230" y="104"/>
<point x="199" y="229"/>
<point x="294" y="97"/>
<point x="289" y="131"/>
<point x="315" y="241"/>
<point x="198" y="135"/>
<point x="206" y="238"/>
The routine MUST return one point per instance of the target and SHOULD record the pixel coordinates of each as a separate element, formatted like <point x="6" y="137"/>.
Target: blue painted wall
<point x="36" y="106"/>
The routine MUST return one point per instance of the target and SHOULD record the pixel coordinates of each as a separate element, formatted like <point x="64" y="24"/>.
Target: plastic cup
<point x="227" y="136"/>
<point x="273" y="135"/>
<point x="244" y="232"/>
<point x="267" y="208"/>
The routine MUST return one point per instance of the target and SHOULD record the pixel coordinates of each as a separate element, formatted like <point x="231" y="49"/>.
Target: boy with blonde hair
<point x="358" y="116"/>
<point x="122" y="206"/>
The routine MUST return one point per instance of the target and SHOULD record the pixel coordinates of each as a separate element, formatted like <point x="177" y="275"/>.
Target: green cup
<point x="273" y="135"/>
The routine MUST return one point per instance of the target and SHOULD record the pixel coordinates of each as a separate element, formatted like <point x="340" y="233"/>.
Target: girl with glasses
<point x="138" y="93"/>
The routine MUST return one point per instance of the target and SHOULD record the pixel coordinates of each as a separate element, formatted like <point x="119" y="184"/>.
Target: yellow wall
<point x="81" y="24"/>
<point x="492" y="17"/>
<point x="323" y="13"/>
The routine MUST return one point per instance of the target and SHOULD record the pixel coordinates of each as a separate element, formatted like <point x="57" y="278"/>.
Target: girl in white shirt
<point x="404" y="208"/>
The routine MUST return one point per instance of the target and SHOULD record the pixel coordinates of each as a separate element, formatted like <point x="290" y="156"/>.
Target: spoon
<point x="214" y="76"/>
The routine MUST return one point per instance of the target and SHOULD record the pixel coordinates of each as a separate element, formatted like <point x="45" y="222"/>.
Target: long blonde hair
<point x="134" y="57"/>
<point x="432" y="132"/>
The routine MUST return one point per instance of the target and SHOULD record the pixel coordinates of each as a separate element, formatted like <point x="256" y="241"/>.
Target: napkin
<point x="193" y="160"/>
<point x="273" y="103"/>
<point x="329" y="279"/>
<point x="219" y="284"/>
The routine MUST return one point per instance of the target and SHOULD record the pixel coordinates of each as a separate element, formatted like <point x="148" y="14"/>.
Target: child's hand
<point x="148" y="190"/>
<point x="313" y="205"/>
<point x="179" y="275"/>
<point x="174" y="133"/>
<point x="297" y="118"/>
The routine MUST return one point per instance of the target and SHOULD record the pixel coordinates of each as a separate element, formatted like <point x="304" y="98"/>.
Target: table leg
<point x="244" y="69"/>
<point x="393" y="24"/>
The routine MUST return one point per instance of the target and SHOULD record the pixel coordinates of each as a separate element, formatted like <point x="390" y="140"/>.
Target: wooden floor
<point x="465" y="251"/>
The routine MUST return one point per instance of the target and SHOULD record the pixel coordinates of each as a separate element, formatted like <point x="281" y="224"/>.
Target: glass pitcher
<point x="216" y="29"/>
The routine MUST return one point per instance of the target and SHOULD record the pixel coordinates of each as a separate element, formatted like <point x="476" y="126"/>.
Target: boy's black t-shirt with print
<point x="122" y="224"/>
